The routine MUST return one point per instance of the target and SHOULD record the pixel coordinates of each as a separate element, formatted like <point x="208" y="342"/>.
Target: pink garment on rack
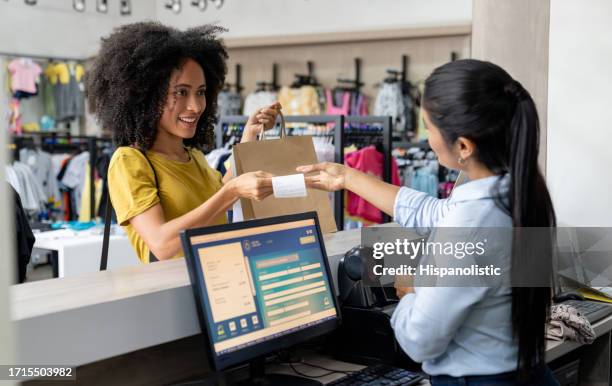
<point x="24" y="75"/>
<point x="445" y="189"/>
<point x="368" y="160"/>
<point x="332" y="109"/>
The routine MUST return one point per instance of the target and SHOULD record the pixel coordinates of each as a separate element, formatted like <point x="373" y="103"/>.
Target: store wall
<point x="514" y="35"/>
<point x="53" y="28"/>
<point x="336" y="60"/>
<point x="580" y="112"/>
<point x="6" y="263"/>
<point x="274" y="17"/>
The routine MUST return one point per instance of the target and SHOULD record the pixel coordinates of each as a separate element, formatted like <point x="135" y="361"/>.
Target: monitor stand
<point x="258" y="377"/>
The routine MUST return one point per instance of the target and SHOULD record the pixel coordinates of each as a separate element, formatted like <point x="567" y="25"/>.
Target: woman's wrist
<point x="230" y="191"/>
<point x="349" y="174"/>
<point x="248" y="135"/>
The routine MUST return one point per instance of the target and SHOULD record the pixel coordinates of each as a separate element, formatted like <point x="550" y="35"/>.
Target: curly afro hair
<point x="128" y="84"/>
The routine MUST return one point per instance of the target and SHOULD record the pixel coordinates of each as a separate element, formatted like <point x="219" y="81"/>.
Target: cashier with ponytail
<point x="484" y="123"/>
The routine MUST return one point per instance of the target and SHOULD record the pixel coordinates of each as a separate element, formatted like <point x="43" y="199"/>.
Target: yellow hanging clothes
<point x="85" y="210"/>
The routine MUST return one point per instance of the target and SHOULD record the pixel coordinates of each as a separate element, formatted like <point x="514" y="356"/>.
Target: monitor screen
<point x="259" y="283"/>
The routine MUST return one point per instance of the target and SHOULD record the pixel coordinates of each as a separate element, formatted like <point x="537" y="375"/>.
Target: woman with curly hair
<point x="156" y="89"/>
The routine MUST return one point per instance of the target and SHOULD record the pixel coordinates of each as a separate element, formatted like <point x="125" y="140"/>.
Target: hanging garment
<point x="214" y="157"/>
<point x="390" y="102"/>
<point x="60" y="164"/>
<point x="343" y="108"/>
<point x="257" y="100"/>
<point x="407" y="175"/>
<point x="228" y="103"/>
<point x="221" y="167"/>
<point x="24" y="75"/>
<point x="46" y="92"/>
<point x="40" y="163"/>
<point x="28" y="187"/>
<point x="85" y="213"/>
<point x="67" y="79"/>
<point x="325" y="151"/>
<point x="74" y="179"/>
<point x="24" y="238"/>
<point x="359" y="104"/>
<point x="408" y="108"/>
<point x="445" y="189"/>
<point x="15" y="116"/>
<point x="370" y="161"/>
<point x="422" y="134"/>
<point x="299" y="101"/>
<point x="425" y="181"/>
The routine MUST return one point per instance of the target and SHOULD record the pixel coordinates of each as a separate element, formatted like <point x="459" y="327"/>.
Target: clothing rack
<point x="421" y="145"/>
<point x="306" y="79"/>
<point x="387" y="139"/>
<point x="340" y="136"/>
<point x="238" y="85"/>
<point x="89" y="142"/>
<point x="355" y="83"/>
<point x="273" y="85"/>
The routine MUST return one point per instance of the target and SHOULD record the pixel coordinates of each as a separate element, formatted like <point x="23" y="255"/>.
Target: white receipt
<point x="289" y="186"/>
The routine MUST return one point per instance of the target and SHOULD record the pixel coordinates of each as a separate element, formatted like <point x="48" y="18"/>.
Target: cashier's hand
<point x="265" y="116"/>
<point x="326" y="176"/>
<point x="253" y="186"/>
<point x="403" y="285"/>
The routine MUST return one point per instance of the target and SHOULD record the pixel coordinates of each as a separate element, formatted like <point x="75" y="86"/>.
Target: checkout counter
<point x="139" y="325"/>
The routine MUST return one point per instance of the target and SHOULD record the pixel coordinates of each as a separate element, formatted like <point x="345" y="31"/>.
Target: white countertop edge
<point x="80" y="320"/>
<point x="100" y="331"/>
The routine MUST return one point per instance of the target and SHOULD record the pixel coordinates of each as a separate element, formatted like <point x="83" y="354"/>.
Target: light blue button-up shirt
<point x="456" y="331"/>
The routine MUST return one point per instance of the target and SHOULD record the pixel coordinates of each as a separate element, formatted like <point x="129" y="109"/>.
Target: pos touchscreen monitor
<point x="260" y="286"/>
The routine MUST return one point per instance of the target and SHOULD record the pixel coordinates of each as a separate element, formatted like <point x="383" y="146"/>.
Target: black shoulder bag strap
<point x="107" y="222"/>
<point x="107" y="225"/>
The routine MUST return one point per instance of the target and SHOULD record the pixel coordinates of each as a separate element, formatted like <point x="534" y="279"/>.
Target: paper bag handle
<point x="283" y="132"/>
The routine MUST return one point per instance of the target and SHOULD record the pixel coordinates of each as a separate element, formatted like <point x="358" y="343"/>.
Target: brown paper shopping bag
<point x="281" y="157"/>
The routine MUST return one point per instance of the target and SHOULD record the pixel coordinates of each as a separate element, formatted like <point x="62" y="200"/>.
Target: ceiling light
<point x="125" y="8"/>
<point x="78" y="5"/>
<point x="201" y="4"/>
<point x="174" y="5"/>
<point x="102" y="6"/>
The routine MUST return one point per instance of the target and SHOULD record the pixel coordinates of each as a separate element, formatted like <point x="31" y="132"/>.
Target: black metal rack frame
<point x="339" y="136"/>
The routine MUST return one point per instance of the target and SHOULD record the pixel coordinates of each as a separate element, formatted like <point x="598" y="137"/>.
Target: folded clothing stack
<point x="567" y="323"/>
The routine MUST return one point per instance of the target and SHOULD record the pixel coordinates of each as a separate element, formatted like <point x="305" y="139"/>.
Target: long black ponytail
<point x="481" y="102"/>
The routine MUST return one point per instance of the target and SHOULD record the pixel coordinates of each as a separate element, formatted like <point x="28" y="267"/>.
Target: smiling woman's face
<point x="186" y="101"/>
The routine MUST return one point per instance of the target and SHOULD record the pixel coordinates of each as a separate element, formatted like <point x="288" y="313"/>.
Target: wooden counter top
<point x="79" y="320"/>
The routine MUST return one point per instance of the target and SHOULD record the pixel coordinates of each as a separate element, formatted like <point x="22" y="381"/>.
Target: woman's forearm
<point x="163" y="239"/>
<point x="376" y="192"/>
